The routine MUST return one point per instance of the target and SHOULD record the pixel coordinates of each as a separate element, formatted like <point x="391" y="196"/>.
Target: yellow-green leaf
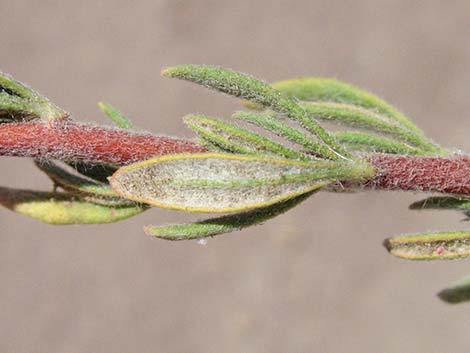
<point x="62" y="208"/>
<point x="430" y="246"/>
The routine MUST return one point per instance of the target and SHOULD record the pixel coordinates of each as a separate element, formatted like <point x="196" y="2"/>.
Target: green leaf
<point x="358" y="117"/>
<point x="97" y="172"/>
<point x="13" y="108"/>
<point x="73" y="182"/>
<point x="364" y="142"/>
<point x="276" y="126"/>
<point x="62" y="208"/>
<point x="224" y="224"/>
<point x="85" y="188"/>
<point x="19" y="102"/>
<point x="331" y="90"/>
<point x="116" y="116"/>
<point x="217" y="182"/>
<point x="457" y="293"/>
<point x="13" y="87"/>
<point x="442" y="203"/>
<point x="236" y="139"/>
<point x="249" y="88"/>
<point x="430" y="246"/>
<point x="212" y="146"/>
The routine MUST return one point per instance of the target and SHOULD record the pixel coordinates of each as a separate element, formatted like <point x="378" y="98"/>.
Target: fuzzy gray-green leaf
<point x="458" y="292"/>
<point x="236" y="139"/>
<point x="430" y="246"/>
<point x="217" y="182"/>
<point x="247" y="87"/>
<point x="19" y="102"/>
<point x="14" y="108"/>
<point x="116" y="116"/>
<point x="224" y="224"/>
<point x="441" y="203"/>
<point x="357" y="117"/>
<point x="365" y="142"/>
<point x="331" y="90"/>
<point x="276" y="126"/>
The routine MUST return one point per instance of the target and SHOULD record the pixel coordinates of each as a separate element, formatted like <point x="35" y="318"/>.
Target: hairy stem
<point x="429" y="174"/>
<point x="72" y="141"/>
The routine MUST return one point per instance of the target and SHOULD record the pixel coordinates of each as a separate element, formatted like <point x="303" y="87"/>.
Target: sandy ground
<point x="314" y="280"/>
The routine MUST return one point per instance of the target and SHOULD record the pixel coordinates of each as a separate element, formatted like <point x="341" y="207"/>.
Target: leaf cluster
<point x="267" y="160"/>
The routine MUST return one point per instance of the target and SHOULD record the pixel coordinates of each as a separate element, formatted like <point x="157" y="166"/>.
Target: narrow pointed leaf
<point x="212" y="146"/>
<point x="458" y="292"/>
<point x="430" y="246"/>
<point x="14" y="108"/>
<point x="15" y="88"/>
<point x="364" y="142"/>
<point x="98" y="172"/>
<point x="62" y="208"/>
<point x="441" y="203"/>
<point x="18" y="102"/>
<point x="276" y="126"/>
<point x="331" y="90"/>
<point x="357" y="117"/>
<point x="249" y="88"/>
<point x="85" y="188"/>
<point x="116" y="116"/>
<point x="216" y="182"/>
<point x="74" y="182"/>
<point x="236" y="139"/>
<point x="224" y="224"/>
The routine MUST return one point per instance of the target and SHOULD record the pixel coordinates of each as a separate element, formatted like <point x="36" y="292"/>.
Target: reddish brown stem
<point x="72" y="141"/>
<point x="433" y="174"/>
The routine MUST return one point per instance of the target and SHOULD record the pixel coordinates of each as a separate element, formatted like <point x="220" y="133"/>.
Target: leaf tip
<point x="168" y="71"/>
<point x="457" y="293"/>
<point x="159" y="232"/>
<point x="148" y="229"/>
<point x="387" y="244"/>
<point x="189" y="118"/>
<point x="445" y="297"/>
<point x="102" y="105"/>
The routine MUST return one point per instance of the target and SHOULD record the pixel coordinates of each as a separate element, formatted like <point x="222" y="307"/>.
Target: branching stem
<point x="72" y="141"/>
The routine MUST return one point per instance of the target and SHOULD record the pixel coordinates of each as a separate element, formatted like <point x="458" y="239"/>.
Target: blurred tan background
<point x="314" y="280"/>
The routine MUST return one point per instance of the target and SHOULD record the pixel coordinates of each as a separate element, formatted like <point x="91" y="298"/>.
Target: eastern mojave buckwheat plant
<point x="102" y="174"/>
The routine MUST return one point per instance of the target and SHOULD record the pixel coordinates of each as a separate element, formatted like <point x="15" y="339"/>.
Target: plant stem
<point x="71" y="141"/>
<point x="426" y="174"/>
